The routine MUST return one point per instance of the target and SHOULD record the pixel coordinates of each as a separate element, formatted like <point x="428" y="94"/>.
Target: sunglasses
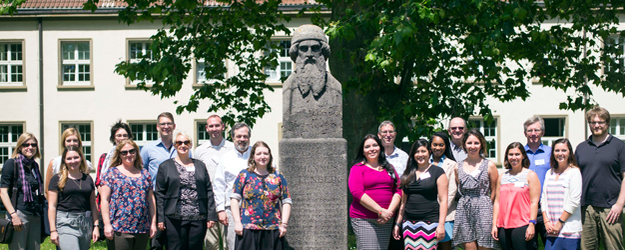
<point x="457" y="128"/>
<point x="25" y="145"/>
<point x="186" y="143"/>
<point x="126" y="152"/>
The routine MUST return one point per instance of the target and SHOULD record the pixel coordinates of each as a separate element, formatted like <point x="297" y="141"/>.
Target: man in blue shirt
<point x="156" y="152"/>
<point x="539" y="155"/>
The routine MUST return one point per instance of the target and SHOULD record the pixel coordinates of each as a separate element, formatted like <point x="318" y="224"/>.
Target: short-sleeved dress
<point x="474" y="213"/>
<point x="129" y="211"/>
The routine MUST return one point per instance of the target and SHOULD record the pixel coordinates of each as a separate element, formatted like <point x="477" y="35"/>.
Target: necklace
<point x="79" y="183"/>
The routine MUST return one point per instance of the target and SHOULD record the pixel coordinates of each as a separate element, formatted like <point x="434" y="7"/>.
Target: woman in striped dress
<point x="476" y="178"/>
<point x="562" y="192"/>
<point x="421" y="217"/>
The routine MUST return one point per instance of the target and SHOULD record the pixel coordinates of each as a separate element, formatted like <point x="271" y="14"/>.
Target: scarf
<point x="22" y="161"/>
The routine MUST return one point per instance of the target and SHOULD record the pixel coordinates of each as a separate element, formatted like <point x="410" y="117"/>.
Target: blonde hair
<point x="21" y="140"/>
<point x="251" y="164"/>
<point x="117" y="160"/>
<point x="64" y="169"/>
<point x="179" y="133"/>
<point x="69" y="132"/>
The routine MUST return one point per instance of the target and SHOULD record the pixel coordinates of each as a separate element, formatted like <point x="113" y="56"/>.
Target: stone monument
<point x="313" y="153"/>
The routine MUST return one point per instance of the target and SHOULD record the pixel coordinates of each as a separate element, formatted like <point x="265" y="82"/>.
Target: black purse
<point x="6" y="226"/>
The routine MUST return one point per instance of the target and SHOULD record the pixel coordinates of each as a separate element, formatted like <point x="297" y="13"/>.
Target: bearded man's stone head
<point x="310" y="50"/>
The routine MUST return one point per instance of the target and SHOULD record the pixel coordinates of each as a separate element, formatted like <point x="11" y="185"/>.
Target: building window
<point x="285" y="65"/>
<point x="144" y="133"/>
<point x="85" y="136"/>
<point x="137" y="51"/>
<point x="8" y="140"/>
<point x="11" y="69"/>
<point x="200" y="73"/>
<point x="202" y="135"/>
<point x="616" y="65"/>
<point x="617" y="127"/>
<point x="76" y="63"/>
<point x="554" y="129"/>
<point x="489" y="130"/>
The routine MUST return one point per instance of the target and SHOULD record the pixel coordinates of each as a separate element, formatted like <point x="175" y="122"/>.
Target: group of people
<point x="161" y="192"/>
<point x="445" y="193"/>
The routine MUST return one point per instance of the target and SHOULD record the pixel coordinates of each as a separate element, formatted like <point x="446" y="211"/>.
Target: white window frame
<point x="11" y="142"/>
<point x="285" y="64"/>
<point x="548" y="140"/>
<point x="145" y="49"/>
<point x="85" y="136"/>
<point x="200" y="133"/>
<point x="12" y="63"/>
<point x="489" y="137"/>
<point x="140" y="136"/>
<point x="81" y="59"/>
<point x="617" y="126"/>
<point x="620" y="42"/>
<point x="200" y="76"/>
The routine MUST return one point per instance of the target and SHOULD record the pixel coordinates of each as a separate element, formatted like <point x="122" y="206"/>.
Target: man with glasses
<point x="539" y="155"/>
<point x="210" y="153"/>
<point x="395" y="156"/>
<point x="229" y="167"/>
<point x="457" y="128"/>
<point x="156" y="152"/>
<point x="601" y="159"/>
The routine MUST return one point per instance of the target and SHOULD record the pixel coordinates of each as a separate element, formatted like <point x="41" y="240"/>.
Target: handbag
<point x="6" y="226"/>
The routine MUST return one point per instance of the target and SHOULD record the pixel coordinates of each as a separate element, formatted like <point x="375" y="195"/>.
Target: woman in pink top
<point x="516" y="201"/>
<point x="374" y="186"/>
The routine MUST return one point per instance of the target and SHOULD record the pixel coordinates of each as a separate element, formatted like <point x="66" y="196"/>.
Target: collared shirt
<point x="440" y="162"/>
<point x="398" y="159"/>
<point x="229" y="167"/>
<point x="602" y="167"/>
<point x="539" y="161"/>
<point x="155" y="153"/>
<point x="211" y="154"/>
<point x="458" y="152"/>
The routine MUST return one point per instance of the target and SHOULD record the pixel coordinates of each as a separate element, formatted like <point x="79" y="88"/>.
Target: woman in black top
<point x="185" y="203"/>
<point x="70" y="195"/>
<point x="421" y="218"/>
<point x="26" y="215"/>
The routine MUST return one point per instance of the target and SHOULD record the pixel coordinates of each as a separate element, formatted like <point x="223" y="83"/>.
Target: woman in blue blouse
<point x="260" y="223"/>
<point x="128" y="209"/>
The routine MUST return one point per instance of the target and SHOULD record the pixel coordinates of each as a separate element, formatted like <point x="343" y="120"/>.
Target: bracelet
<point x="12" y="213"/>
<point x="561" y="221"/>
<point x="96" y="225"/>
<point x="52" y="231"/>
<point x="398" y="224"/>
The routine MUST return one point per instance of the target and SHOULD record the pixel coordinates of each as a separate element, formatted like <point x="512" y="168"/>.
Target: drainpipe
<point x="585" y="95"/>
<point x="41" y="125"/>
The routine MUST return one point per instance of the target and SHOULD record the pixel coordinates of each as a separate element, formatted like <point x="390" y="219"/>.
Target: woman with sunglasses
<point x="120" y="131"/>
<point x="28" y="209"/>
<point x="70" y="137"/>
<point x="185" y="203"/>
<point x="128" y="209"/>
<point x="71" y="194"/>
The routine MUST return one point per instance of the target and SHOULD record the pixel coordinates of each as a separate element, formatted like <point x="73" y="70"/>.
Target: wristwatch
<point x="533" y="222"/>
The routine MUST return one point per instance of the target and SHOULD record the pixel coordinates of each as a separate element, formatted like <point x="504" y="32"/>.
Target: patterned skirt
<point x="419" y="235"/>
<point x="370" y="235"/>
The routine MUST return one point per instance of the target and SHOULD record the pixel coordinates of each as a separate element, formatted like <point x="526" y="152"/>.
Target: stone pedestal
<point x="317" y="178"/>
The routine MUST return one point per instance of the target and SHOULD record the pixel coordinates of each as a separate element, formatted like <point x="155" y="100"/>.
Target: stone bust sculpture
<point x="312" y="100"/>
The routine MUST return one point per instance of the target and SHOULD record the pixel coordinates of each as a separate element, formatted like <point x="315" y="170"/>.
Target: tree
<point x="415" y="62"/>
<point x="211" y="32"/>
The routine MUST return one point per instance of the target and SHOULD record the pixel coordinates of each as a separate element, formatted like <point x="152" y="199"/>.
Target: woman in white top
<point x="560" y="199"/>
<point x="70" y="137"/>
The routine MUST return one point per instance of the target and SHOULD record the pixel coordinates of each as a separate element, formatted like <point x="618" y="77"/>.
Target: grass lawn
<point x="47" y="245"/>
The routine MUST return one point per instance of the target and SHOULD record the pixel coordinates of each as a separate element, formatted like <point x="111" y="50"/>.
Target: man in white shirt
<point x="210" y="153"/>
<point x="395" y="156"/>
<point x="457" y="128"/>
<point x="231" y="163"/>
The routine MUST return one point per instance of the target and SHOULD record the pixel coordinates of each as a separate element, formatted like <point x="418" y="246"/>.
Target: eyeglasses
<point x="25" y="145"/>
<point x="456" y="128"/>
<point x="166" y="124"/>
<point x="186" y="143"/>
<point x="388" y="132"/>
<point x="533" y="130"/>
<point x="121" y="136"/>
<point x="597" y="123"/>
<point x="126" y="152"/>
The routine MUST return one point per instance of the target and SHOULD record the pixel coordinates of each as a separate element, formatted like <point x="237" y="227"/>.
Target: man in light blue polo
<point x="156" y="152"/>
<point x="539" y="155"/>
<point x="395" y="156"/>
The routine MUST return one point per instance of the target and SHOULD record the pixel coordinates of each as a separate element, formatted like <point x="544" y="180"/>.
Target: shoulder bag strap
<point x="14" y="196"/>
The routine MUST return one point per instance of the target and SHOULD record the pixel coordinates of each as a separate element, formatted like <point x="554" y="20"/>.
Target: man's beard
<point x="310" y="76"/>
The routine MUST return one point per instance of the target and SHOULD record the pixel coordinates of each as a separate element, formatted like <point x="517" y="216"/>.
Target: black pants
<point x="185" y="234"/>
<point x="514" y="238"/>
<point x="128" y="241"/>
<point x="540" y="227"/>
<point x="259" y="240"/>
